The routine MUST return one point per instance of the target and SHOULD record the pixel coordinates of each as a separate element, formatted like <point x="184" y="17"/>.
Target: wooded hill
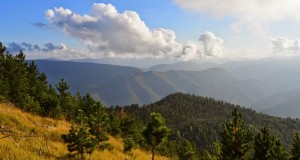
<point x="199" y="119"/>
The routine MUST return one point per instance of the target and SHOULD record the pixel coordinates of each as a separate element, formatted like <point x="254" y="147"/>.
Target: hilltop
<point x="199" y="119"/>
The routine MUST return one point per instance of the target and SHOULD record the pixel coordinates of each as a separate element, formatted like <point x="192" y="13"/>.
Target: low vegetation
<point x="25" y="136"/>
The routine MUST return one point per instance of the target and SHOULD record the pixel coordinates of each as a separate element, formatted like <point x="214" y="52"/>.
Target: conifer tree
<point x="263" y="144"/>
<point x="155" y="132"/>
<point x="67" y="102"/>
<point x="296" y="147"/>
<point x="3" y="91"/>
<point x="79" y="139"/>
<point x="114" y="122"/>
<point x="278" y="151"/>
<point x="97" y="122"/>
<point x="236" y="140"/>
<point x="185" y="150"/>
<point x="15" y="72"/>
<point x="129" y="144"/>
<point x="267" y="146"/>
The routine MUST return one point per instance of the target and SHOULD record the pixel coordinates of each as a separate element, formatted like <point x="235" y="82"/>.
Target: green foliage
<point x="105" y="145"/>
<point x="296" y="147"/>
<point x="279" y="152"/>
<point x="263" y="144"/>
<point x="80" y="140"/>
<point x="98" y="122"/>
<point x="215" y="154"/>
<point x="236" y="140"/>
<point x="155" y="132"/>
<point x="114" y="123"/>
<point x="129" y="144"/>
<point x="185" y="150"/>
<point x="131" y="128"/>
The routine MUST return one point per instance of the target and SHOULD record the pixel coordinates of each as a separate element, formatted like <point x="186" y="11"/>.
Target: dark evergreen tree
<point x="50" y="104"/>
<point x="3" y="86"/>
<point x="80" y="140"/>
<point x="131" y="128"/>
<point x="279" y="152"/>
<point x="263" y="144"/>
<point x="268" y="147"/>
<point x="155" y="132"/>
<point x="88" y="105"/>
<point x="67" y="102"/>
<point x="129" y="144"/>
<point x="16" y="79"/>
<point x="98" y="122"/>
<point x="114" y="122"/>
<point x="185" y="150"/>
<point x="296" y="147"/>
<point x="236" y="140"/>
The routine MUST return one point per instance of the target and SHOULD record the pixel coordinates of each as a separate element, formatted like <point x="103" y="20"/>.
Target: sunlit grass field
<point x="28" y="137"/>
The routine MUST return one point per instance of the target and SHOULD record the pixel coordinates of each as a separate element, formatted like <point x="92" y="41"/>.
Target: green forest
<point x="180" y="126"/>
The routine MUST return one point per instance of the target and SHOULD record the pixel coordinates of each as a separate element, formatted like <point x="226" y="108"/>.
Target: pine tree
<point x="129" y="144"/>
<point x="131" y="128"/>
<point x="155" y="132"/>
<point x="88" y="104"/>
<point x="114" y="122"/>
<point x="3" y="87"/>
<point x="236" y="140"/>
<point x="67" y="102"/>
<point x="14" y="72"/>
<point x="185" y="150"/>
<point x="296" y="147"/>
<point x="263" y="144"/>
<point x="278" y="151"/>
<point x="80" y="140"/>
<point x="268" y="147"/>
<point x="97" y="122"/>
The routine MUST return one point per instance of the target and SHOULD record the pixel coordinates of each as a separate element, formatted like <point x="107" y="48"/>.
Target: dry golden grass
<point x="36" y="138"/>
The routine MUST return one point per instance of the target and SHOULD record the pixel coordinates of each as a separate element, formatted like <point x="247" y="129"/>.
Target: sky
<point x="173" y="30"/>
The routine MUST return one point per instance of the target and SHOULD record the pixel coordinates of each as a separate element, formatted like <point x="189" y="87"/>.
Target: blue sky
<point x="180" y="30"/>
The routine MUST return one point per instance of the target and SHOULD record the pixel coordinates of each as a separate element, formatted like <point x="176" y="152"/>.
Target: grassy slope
<point x="37" y="138"/>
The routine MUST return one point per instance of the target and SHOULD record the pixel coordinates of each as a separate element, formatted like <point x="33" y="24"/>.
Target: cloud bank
<point x="283" y="45"/>
<point x="255" y="14"/>
<point x="106" y="32"/>
<point x="14" y="47"/>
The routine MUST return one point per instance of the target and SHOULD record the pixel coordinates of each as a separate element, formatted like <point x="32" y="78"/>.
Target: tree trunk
<point x="153" y="149"/>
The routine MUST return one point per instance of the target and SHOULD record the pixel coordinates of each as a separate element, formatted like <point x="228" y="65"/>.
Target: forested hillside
<point x="199" y="119"/>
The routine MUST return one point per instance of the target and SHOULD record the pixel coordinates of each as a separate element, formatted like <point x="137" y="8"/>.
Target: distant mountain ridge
<point x="265" y="85"/>
<point x="120" y="85"/>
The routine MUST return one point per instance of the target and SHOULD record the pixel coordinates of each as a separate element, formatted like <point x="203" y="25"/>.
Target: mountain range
<point x="269" y="86"/>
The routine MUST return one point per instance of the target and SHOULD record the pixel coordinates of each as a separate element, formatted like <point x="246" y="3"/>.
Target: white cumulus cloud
<point x="109" y="33"/>
<point x="213" y="46"/>
<point x="255" y="14"/>
<point x="106" y="32"/>
<point x="283" y="45"/>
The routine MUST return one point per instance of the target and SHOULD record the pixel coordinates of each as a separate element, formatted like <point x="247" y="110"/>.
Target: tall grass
<point x="29" y="137"/>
